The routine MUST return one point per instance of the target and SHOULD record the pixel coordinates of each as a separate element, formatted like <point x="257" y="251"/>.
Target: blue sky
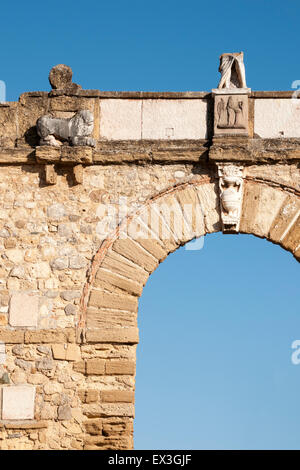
<point x="214" y="363"/>
<point x="214" y="366"/>
<point x="148" y="45"/>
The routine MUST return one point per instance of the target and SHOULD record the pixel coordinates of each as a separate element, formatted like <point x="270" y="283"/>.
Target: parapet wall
<point x="146" y="116"/>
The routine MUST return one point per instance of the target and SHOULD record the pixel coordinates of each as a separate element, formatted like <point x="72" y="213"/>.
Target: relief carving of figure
<point x="231" y="115"/>
<point x="232" y="70"/>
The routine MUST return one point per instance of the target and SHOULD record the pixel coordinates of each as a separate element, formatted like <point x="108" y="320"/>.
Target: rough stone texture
<point x="60" y="78"/>
<point x="66" y="242"/>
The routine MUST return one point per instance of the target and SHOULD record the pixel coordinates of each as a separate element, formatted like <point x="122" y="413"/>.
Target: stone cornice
<point x="236" y="149"/>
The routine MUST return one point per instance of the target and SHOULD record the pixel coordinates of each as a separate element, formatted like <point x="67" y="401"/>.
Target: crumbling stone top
<point x="60" y="78"/>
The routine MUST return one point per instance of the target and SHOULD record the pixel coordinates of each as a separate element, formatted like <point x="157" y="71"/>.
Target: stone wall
<point x="72" y="267"/>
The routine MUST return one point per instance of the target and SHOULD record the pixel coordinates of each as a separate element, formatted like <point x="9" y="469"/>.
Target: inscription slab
<point x="23" y="310"/>
<point x="18" y="402"/>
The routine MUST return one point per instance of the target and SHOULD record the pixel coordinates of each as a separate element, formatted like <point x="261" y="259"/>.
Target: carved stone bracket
<point x="231" y="196"/>
<point x="51" y="175"/>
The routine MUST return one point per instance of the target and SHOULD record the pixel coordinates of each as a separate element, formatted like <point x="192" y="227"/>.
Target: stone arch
<point x="124" y="262"/>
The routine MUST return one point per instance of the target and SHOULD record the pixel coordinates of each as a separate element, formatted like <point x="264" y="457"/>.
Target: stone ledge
<point x="255" y="150"/>
<point x="229" y="148"/>
<point x="134" y="94"/>
<point x="17" y="155"/>
<point x="23" y="424"/>
<point x="148" y="94"/>
<point x="273" y="94"/>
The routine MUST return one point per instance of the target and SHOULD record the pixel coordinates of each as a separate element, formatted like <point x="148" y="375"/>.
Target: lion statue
<point x="76" y="130"/>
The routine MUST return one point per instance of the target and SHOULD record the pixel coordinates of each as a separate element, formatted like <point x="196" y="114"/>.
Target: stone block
<point x="46" y="153"/>
<point x="93" y="426"/>
<point x="275" y="118"/>
<point x="18" y="402"/>
<point x="108" y="318"/>
<point x="108" y="410"/>
<point x="171" y="212"/>
<point x="117" y="409"/>
<point x="174" y="119"/>
<point x="3" y="319"/>
<point x="78" y="154"/>
<point x="106" y="278"/>
<point x="8" y="124"/>
<point x="120" y="265"/>
<point x="113" y="335"/>
<point x="59" y="351"/>
<point x="292" y="239"/>
<point x="73" y="353"/>
<point x="50" y="174"/>
<point x="64" y="413"/>
<point x="261" y="204"/>
<point x="78" y="174"/>
<point x="209" y="200"/>
<point x="66" y="335"/>
<point x="115" y="367"/>
<point x="11" y="337"/>
<point x="23" y="309"/>
<point x="24" y="425"/>
<point x="115" y="301"/>
<point x="88" y="396"/>
<point x="135" y="253"/>
<point x="80" y="367"/>
<point x="192" y="210"/>
<point x="29" y="110"/>
<point x="117" y="396"/>
<point x="284" y="218"/>
<point x="66" y="352"/>
<point x="95" y="366"/>
<point x="120" y="119"/>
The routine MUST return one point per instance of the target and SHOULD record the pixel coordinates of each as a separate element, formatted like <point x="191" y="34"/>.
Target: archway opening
<point x="214" y="363"/>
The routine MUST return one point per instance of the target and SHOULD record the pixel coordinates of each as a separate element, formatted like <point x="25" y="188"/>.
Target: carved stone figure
<point x="76" y="130"/>
<point x="232" y="70"/>
<point x="231" y="188"/>
<point x="231" y="115"/>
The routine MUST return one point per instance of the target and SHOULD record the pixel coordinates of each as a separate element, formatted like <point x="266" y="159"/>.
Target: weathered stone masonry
<point x="70" y="283"/>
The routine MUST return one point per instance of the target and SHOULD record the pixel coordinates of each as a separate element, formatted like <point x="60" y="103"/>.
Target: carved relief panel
<point x="231" y="114"/>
